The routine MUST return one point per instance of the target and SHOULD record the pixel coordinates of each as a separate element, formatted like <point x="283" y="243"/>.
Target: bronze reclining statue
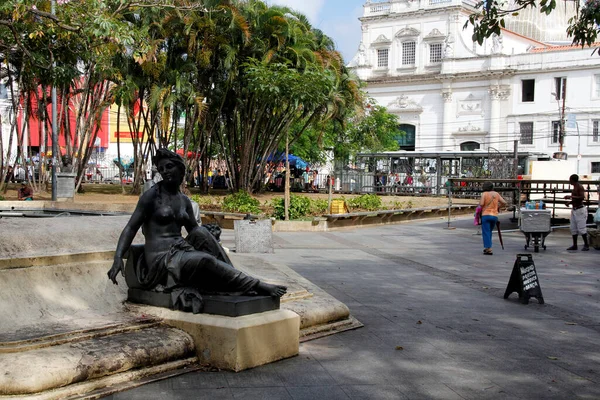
<point x="184" y="267"/>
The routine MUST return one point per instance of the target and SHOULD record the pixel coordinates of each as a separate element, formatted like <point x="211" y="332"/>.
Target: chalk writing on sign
<point x="529" y="277"/>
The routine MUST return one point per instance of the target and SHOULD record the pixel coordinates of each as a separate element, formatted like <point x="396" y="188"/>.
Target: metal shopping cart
<point x="535" y="225"/>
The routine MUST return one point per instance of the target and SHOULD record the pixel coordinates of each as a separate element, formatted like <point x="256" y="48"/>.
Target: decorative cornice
<point x="407" y="32"/>
<point x="470" y="106"/>
<point x="499" y="92"/>
<point x="469" y="128"/>
<point x="381" y="39"/>
<point x="403" y="104"/>
<point x="447" y="96"/>
<point x="435" y="34"/>
<point x="437" y="78"/>
<point x="410" y="14"/>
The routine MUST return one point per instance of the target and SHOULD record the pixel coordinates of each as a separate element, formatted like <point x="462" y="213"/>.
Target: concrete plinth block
<point x="237" y="343"/>
<point x="253" y="236"/>
<point x="65" y="183"/>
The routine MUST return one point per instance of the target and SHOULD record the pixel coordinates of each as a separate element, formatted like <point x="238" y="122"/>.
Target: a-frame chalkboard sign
<point x="524" y="280"/>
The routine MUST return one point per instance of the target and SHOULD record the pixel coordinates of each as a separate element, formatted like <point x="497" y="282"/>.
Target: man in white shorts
<point x="579" y="213"/>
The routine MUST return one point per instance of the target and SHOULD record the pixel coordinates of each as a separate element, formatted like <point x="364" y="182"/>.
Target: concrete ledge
<point x="9" y="263"/>
<point x="316" y="225"/>
<point x="107" y="385"/>
<point x="66" y="206"/>
<point x="384" y="217"/>
<point x="238" y="343"/>
<point x="348" y="220"/>
<point x="52" y="367"/>
<point x="225" y="220"/>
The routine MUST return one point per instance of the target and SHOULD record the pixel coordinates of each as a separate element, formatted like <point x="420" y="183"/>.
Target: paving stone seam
<point x="547" y="309"/>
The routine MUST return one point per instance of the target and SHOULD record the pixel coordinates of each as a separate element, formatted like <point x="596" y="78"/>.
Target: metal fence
<point x="360" y="182"/>
<point x="92" y="174"/>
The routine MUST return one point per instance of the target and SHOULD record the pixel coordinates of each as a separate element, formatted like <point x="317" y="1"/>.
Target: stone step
<point x="74" y="336"/>
<point x="41" y="369"/>
<point x="108" y="385"/>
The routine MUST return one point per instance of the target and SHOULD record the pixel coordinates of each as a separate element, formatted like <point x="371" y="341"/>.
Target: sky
<point x="338" y="19"/>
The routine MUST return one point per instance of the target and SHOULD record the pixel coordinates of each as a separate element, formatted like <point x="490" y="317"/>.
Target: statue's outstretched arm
<point x="131" y="229"/>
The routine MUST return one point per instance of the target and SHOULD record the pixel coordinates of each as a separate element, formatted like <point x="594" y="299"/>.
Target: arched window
<point x="469" y="146"/>
<point x="407" y="140"/>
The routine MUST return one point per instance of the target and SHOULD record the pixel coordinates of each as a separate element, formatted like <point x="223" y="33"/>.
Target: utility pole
<point x="516" y="159"/>
<point x="55" y="149"/>
<point x="561" y="134"/>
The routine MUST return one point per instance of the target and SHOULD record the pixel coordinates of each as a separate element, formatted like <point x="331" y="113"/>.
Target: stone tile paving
<point x="436" y="325"/>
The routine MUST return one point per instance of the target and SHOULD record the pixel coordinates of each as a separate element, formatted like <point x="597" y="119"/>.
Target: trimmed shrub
<point x="369" y="202"/>
<point x="318" y="206"/>
<point x="241" y="202"/>
<point x="206" y="202"/>
<point x="300" y="206"/>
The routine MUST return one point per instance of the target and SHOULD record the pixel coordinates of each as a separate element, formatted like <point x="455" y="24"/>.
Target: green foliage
<point x="278" y="205"/>
<point x="489" y="19"/>
<point x="300" y="206"/>
<point x="206" y="202"/>
<point x="318" y="206"/>
<point x="369" y="202"/>
<point x="2" y="198"/>
<point x="239" y="73"/>
<point x="241" y="202"/>
<point x="584" y="28"/>
<point x="370" y="128"/>
<point x="398" y="205"/>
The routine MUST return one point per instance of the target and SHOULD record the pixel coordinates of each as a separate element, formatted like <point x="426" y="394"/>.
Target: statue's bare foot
<point x="271" y="290"/>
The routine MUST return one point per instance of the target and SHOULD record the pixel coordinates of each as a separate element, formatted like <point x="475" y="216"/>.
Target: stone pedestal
<point x="65" y="186"/>
<point x="238" y="343"/>
<point x="253" y="236"/>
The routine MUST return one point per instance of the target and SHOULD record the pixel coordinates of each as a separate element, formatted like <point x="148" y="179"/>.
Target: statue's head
<point x="170" y="166"/>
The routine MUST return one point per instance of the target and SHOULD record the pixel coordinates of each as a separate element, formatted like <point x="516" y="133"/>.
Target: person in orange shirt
<point x="490" y="203"/>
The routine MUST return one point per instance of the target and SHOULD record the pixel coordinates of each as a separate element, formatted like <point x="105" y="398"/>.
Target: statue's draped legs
<point x="199" y="262"/>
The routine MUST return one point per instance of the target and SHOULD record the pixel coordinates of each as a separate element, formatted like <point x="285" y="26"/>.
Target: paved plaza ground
<point x="436" y="323"/>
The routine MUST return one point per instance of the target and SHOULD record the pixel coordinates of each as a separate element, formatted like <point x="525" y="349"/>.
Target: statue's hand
<point x="115" y="269"/>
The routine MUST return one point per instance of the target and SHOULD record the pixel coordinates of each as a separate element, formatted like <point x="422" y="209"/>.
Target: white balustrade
<point x="439" y="2"/>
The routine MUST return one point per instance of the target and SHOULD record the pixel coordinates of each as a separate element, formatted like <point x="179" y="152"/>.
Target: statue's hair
<point x="163" y="153"/>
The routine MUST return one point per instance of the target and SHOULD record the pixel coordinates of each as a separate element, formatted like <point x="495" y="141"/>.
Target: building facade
<point x="451" y="94"/>
<point x="5" y="125"/>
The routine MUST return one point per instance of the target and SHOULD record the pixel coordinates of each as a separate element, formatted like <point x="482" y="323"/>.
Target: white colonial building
<point x="5" y="125"/>
<point x="452" y="94"/>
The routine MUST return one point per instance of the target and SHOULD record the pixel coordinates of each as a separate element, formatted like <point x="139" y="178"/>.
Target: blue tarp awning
<point x="295" y="161"/>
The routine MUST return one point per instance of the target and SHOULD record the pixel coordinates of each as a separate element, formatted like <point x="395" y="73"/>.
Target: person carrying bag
<point x="490" y="203"/>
